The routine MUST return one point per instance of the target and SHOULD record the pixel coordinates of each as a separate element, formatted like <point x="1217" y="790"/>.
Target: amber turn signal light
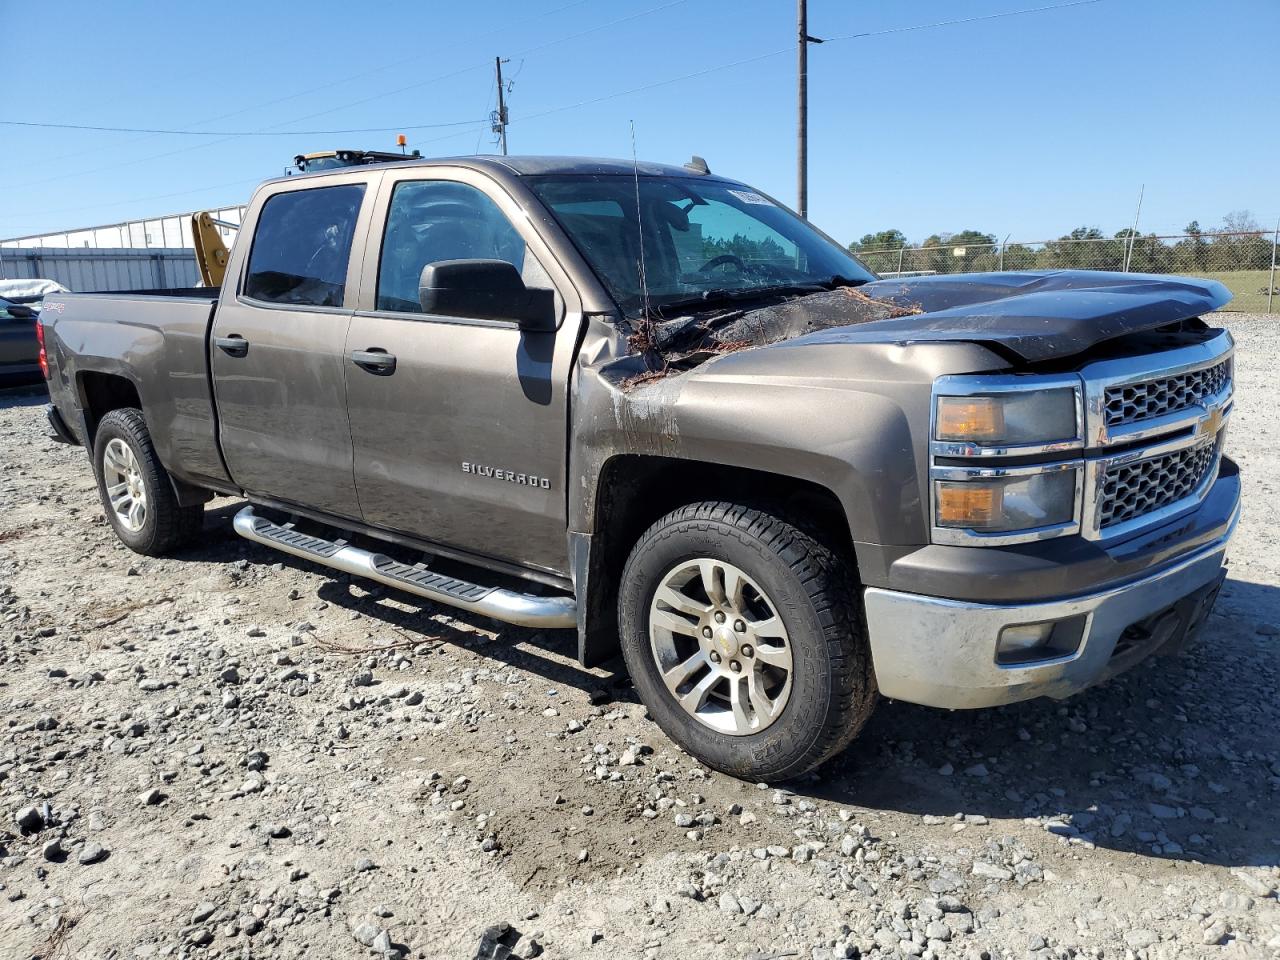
<point x="970" y="418"/>
<point x="969" y="504"/>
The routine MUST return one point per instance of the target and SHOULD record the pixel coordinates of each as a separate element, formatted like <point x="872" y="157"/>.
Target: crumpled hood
<point x="1038" y="315"/>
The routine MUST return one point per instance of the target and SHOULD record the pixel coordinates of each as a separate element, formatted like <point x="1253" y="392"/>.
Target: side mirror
<point x="485" y="290"/>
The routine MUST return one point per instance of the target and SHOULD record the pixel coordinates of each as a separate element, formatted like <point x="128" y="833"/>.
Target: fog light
<point x="1027" y="642"/>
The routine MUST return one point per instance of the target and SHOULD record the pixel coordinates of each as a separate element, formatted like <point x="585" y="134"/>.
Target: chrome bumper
<point x="942" y="653"/>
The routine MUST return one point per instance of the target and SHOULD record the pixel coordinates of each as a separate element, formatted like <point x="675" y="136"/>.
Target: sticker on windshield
<point x="746" y="196"/>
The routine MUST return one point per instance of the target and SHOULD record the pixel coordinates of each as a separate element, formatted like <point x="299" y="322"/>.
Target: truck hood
<point x="1036" y="315"/>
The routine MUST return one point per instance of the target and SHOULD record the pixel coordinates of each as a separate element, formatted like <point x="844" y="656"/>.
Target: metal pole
<point x="802" y="114"/>
<point x="1271" y="287"/>
<point x="901" y="250"/>
<point x="502" y="108"/>
<point x="1128" y="254"/>
<point x="1002" y="246"/>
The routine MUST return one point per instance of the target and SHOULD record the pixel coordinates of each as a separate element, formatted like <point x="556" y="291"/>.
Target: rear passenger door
<point x="463" y="440"/>
<point x="277" y="348"/>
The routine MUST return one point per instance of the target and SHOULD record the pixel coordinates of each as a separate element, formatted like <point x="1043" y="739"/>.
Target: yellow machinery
<point x="211" y="252"/>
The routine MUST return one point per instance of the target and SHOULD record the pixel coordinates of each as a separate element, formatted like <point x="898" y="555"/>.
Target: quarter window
<point x="433" y="220"/>
<point x="302" y="246"/>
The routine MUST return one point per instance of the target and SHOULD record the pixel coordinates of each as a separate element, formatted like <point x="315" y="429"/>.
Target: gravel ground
<point x="224" y="754"/>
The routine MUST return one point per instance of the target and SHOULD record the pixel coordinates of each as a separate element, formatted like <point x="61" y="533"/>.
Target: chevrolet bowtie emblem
<point x="1212" y="423"/>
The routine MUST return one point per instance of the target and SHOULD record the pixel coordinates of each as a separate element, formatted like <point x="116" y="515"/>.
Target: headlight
<point x="1009" y="503"/>
<point x="1009" y="419"/>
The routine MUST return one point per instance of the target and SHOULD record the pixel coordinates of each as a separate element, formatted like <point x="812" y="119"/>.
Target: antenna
<point x="644" y="281"/>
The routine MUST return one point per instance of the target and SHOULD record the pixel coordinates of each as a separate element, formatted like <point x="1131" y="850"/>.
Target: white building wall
<point x="166" y="233"/>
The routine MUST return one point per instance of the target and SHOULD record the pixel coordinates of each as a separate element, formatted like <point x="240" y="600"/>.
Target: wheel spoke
<point x="112" y="460"/>
<point x="712" y="580"/>
<point x="734" y="581"/>
<point x="696" y="699"/>
<point x="137" y="514"/>
<point x="680" y="674"/>
<point x="760" y="702"/>
<point x="119" y="496"/>
<point x="670" y="620"/>
<point x="769" y="628"/>
<point x="681" y="602"/>
<point x="740" y="717"/>
<point x="774" y="656"/>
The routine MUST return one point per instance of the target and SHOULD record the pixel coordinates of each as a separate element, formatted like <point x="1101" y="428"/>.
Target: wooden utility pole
<point x="802" y="114"/>
<point x="500" y="118"/>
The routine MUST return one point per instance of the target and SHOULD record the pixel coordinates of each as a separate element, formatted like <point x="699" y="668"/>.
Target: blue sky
<point x="1028" y="125"/>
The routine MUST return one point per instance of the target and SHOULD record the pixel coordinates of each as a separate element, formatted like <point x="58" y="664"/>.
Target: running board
<point x="523" y="609"/>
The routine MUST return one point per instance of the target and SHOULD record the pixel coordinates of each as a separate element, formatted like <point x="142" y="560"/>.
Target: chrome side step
<point x="523" y="609"/>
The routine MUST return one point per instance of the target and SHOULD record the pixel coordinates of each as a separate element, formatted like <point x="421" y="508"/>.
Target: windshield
<point x="702" y="239"/>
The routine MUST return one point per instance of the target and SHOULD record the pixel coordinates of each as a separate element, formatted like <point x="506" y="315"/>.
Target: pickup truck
<point x="653" y="405"/>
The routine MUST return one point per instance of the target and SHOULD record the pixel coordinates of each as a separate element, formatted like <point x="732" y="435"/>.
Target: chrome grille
<point x="1135" y="489"/>
<point x="1147" y="399"/>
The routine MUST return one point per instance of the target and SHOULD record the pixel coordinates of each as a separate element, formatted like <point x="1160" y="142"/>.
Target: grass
<point x="1249" y="287"/>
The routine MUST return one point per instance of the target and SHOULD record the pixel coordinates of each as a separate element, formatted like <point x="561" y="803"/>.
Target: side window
<point x="302" y="246"/>
<point x="432" y="220"/>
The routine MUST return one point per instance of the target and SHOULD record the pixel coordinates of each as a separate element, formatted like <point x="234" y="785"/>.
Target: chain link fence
<point x="1246" y="262"/>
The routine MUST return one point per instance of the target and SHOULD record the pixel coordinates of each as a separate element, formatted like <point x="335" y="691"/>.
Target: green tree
<point x="880" y="250"/>
<point x="881" y="240"/>
<point x="1240" y="244"/>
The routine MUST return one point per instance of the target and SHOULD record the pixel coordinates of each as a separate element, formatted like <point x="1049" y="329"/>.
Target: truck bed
<point x="153" y="342"/>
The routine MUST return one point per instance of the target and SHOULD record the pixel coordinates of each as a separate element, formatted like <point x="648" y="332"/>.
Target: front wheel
<point x="135" y="489"/>
<point x="745" y="640"/>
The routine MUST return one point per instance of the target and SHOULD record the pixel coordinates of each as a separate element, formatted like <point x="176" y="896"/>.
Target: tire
<point x="123" y="451"/>
<point x="809" y="588"/>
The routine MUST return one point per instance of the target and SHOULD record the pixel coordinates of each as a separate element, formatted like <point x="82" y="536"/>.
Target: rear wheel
<point x="136" y="492"/>
<point x="744" y="638"/>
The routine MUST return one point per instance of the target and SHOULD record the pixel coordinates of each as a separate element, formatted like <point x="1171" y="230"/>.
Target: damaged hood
<point x="1037" y="315"/>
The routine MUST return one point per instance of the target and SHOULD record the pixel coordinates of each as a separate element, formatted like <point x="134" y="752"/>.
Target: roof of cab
<point x="533" y="166"/>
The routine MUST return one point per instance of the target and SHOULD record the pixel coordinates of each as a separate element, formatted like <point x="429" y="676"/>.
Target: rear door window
<point x="302" y="246"/>
<point x="433" y="220"/>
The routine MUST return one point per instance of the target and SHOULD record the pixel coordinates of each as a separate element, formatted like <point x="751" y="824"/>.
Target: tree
<point x="1240" y="245"/>
<point x="881" y="240"/>
<point x="1193" y="252"/>
<point x="1084" y="248"/>
<point x="881" y="250"/>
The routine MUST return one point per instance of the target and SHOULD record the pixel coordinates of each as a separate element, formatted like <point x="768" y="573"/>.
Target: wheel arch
<point x="634" y="491"/>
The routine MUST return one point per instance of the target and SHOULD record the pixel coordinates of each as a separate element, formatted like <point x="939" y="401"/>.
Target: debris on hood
<point x="672" y="346"/>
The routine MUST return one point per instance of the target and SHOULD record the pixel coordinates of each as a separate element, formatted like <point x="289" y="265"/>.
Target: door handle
<point x="375" y="360"/>
<point x="234" y="345"/>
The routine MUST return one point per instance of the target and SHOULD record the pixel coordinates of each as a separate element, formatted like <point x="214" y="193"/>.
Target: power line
<point x="622" y="93"/>
<point x="235" y="133"/>
<point x="775" y="53"/>
<point x="950" y="23"/>
<point x="379" y="96"/>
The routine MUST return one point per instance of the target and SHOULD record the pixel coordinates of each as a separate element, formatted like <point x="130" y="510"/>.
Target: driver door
<point x="460" y="437"/>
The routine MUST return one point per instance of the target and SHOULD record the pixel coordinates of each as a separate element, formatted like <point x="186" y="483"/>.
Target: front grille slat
<point x="1136" y="489"/>
<point x="1147" y="399"/>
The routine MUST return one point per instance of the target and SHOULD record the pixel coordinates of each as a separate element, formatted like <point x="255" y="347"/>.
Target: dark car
<point x="19" y="348"/>
<point x="20" y="303"/>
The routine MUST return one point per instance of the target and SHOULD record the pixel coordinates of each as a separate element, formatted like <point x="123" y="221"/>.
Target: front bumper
<point x="942" y="653"/>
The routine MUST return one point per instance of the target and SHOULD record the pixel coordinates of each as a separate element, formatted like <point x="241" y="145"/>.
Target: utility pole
<point x="802" y="114"/>
<point x="500" y="116"/>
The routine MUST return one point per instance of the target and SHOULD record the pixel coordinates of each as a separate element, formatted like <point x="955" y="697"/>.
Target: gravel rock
<point x="92" y="852"/>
